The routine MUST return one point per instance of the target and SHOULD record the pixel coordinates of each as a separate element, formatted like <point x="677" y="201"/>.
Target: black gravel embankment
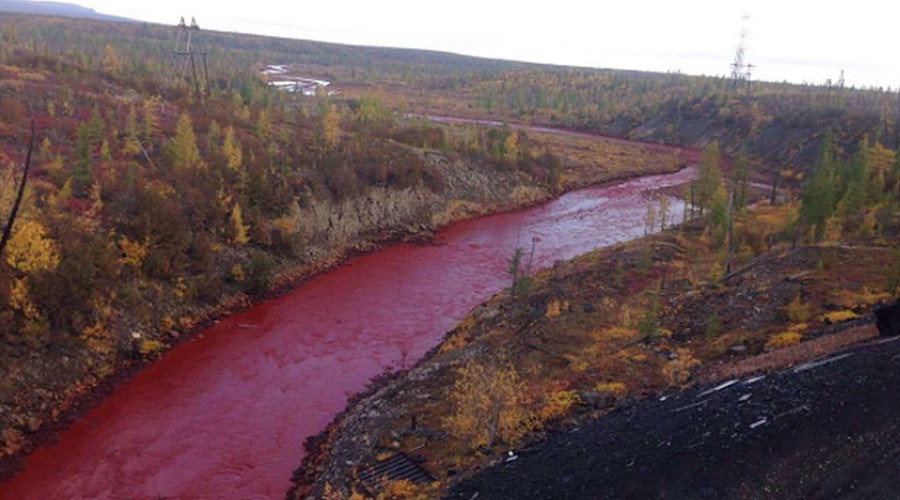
<point x="817" y="431"/>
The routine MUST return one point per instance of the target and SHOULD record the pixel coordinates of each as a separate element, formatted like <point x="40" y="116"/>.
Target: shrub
<point x="614" y="388"/>
<point x="490" y="404"/>
<point x="342" y="182"/>
<point x="839" y="316"/>
<point x="713" y="325"/>
<point x="648" y="325"/>
<point x="679" y="370"/>
<point x="784" y="339"/>
<point x="259" y="273"/>
<point x="797" y="310"/>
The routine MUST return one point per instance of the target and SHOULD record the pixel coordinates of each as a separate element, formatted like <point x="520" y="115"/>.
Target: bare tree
<point x="7" y="231"/>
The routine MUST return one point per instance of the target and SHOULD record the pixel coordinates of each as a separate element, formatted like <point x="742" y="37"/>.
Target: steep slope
<point x="820" y="430"/>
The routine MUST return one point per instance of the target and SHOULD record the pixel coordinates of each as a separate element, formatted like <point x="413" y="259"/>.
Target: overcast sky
<point x="800" y="41"/>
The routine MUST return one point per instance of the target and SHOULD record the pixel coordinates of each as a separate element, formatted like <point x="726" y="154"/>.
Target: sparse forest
<point x="149" y="210"/>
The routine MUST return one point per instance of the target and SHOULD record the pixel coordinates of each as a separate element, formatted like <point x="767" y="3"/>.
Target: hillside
<point x="54" y="9"/>
<point x="780" y="125"/>
<point x="702" y="303"/>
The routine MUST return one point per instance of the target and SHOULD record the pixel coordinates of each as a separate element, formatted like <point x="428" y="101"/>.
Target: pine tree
<point x="237" y="229"/>
<point x="263" y="125"/>
<point x="45" y="150"/>
<point x="511" y="147"/>
<point x="231" y="148"/>
<point x="105" y="154"/>
<point x="81" y="173"/>
<point x="521" y="281"/>
<point x="96" y="128"/>
<point x="710" y="175"/>
<point x="818" y="197"/>
<point x="663" y="211"/>
<point x="742" y="174"/>
<point x="718" y="216"/>
<point x="327" y="126"/>
<point x="650" y="217"/>
<point x="184" y="144"/>
<point x="131" y="145"/>
<point x="110" y="59"/>
<point x="151" y="120"/>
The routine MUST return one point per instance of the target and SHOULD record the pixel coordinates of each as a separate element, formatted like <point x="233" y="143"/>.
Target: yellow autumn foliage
<point x="237" y="273"/>
<point x="328" y="130"/>
<point x="490" y="404"/>
<point x="679" y="370"/>
<point x="238" y="228"/>
<point x="232" y="150"/>
<point x="839" y="316"/>
<point x="149" y="346"/>
<point x="30" y="249"/>
<point x="133" y="252"/>
<point x="789" y="337"/>
<point x="556" y="404"/>
<point x="98" y="337"/>
<point x="20" y="300"/>
<point x="614" y="388"/>
<point x="511" y="147"/>
<point x="556" y="307"/>
<point x="797" y="310"/>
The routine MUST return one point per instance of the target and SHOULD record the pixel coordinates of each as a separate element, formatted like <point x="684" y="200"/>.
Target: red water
<point x="224" y="415"/>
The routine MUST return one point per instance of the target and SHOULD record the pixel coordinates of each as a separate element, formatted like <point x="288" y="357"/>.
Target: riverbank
<point x="597" y="333"/>
<point x="420" y="221"/>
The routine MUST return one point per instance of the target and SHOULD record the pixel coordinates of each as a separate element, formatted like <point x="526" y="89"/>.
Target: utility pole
<point x="188" y="47"/>
<point x="741" y="71"/>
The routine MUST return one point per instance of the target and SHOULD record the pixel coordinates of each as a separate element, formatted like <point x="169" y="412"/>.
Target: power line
<point x="741" y="71"/>
<point x="189" y="44"/>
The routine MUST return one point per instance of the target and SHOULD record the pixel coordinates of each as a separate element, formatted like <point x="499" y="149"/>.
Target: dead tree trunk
<point x="692" y="201"/>
<point x="774" y="195"/>
<point x="7" y="231"/>
<point x="730" y="234"/>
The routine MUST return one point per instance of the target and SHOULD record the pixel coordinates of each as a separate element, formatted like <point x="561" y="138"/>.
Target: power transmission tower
<point x="188" y="46"/>
<point x="740" y="70"/>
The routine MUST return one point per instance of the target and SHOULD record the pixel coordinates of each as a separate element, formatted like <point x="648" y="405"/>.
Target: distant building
<point x="278" y="76"/>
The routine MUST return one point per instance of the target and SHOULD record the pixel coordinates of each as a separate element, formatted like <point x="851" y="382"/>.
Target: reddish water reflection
<point x="224" y="416"/>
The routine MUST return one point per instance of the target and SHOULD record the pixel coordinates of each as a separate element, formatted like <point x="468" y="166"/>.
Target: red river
<point x="225" y="415"/>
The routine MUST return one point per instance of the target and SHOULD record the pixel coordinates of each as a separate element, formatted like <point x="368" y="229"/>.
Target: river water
<point x="225" y="415"/>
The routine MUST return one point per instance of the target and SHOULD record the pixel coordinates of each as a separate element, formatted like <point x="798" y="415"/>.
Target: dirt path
<point x="761" y="177"/>
<point x="690" y="154"/>
<point x="825" y="429"/>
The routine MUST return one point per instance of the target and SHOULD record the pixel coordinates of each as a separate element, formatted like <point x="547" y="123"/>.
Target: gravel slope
<point x="826" y="430"/>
